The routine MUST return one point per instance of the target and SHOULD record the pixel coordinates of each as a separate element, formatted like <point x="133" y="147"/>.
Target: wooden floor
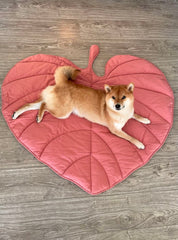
<point x="34" y="202"/>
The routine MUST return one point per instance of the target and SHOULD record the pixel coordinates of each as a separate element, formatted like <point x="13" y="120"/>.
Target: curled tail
<point x="65" y="73"/>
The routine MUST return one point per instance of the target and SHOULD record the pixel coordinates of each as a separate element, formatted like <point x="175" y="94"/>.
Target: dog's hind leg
<point x="29" y="106"/>
<point x="41" y="112"/>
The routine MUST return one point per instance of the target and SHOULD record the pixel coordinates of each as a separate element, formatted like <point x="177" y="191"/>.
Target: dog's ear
<point x="130" y="87"/>
<point x="107" y="88"/>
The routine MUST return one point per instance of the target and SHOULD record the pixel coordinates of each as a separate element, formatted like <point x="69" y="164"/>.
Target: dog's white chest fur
<point x="119" y="126"/>
<point x="76" y="112"/>
<point x="121" y="121"/>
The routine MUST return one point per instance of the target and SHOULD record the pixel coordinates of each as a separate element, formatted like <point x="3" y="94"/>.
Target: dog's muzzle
<point x="118" y="106"/>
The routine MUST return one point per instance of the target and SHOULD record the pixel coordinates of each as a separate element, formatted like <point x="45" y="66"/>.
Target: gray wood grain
<point x="37" y="204"/>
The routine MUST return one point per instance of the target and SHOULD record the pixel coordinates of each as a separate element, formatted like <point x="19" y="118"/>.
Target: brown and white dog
<point x="111" y="107"/>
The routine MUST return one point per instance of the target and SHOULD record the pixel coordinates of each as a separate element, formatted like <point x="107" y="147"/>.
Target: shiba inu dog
<point x="112" y="107"/>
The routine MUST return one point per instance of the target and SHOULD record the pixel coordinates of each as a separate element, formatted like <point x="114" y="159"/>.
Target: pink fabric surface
<point x="76" y="149"/>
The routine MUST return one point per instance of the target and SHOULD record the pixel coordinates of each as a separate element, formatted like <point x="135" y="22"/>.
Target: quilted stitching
<point x="80" y="151"/>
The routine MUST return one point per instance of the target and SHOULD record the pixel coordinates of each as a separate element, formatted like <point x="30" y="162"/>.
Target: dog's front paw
<point x="139" y="145"/>
<point x="146" y="121"/>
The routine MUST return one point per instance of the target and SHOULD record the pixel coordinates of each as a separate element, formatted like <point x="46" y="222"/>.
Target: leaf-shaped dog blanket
<point x="76" y="149"/>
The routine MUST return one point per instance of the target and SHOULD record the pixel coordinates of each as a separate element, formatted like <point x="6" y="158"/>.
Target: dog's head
<point x="119" y="97"/>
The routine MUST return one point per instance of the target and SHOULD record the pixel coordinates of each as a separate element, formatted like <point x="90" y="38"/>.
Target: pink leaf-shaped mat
<point x="76" y="149"/>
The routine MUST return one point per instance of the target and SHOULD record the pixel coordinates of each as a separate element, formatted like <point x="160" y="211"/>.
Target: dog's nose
<point x="118" y="106"/>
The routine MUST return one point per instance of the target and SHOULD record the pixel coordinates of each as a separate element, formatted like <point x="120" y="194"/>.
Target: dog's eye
<point x="123" y="97"/>
<point x="113" y="97"/>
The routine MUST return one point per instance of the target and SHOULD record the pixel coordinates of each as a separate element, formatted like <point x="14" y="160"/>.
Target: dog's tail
<point x="65" y="73"/>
